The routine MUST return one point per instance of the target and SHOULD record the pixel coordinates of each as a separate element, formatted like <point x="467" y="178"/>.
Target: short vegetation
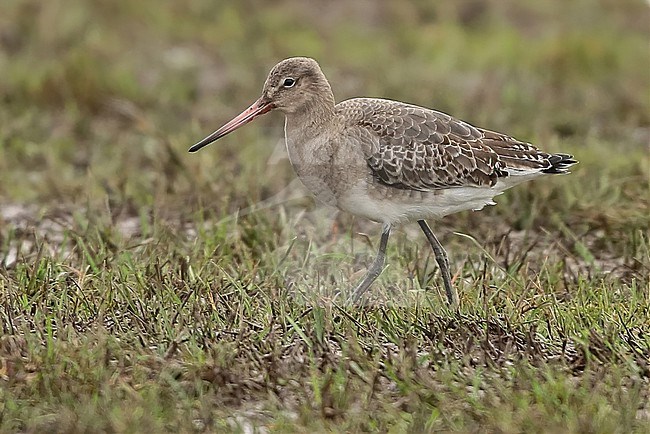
<point x="144" y="289"/>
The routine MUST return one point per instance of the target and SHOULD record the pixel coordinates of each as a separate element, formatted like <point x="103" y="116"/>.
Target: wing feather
<point x="417" y="148"/>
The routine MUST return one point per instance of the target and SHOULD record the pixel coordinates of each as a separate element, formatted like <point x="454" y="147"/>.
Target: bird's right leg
<point x="443" y="263"/>
<point x="375" y="269"/>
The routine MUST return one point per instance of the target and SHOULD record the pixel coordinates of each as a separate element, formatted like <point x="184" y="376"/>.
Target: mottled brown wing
<point x="422" y="149"/>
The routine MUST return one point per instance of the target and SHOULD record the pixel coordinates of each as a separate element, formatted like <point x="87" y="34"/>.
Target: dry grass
<point x="135" y="297"/>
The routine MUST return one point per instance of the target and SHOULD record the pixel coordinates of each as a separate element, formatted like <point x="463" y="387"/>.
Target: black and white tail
<point x="560" y="163"/>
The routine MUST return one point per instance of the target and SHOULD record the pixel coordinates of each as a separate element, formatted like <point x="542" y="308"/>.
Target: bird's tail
<point x="560" y="163"/>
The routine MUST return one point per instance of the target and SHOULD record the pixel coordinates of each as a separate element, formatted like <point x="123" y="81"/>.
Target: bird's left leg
<point x="375" y="269"/>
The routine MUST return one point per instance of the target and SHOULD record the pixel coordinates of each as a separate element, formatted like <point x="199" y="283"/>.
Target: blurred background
<point x="100" y="100"/>
<point x="135" y="296"/>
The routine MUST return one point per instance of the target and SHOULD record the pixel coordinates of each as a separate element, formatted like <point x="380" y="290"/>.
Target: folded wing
<point x="421" y="149"/>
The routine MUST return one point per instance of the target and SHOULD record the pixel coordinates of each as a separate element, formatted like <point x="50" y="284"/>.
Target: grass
<point x="143" y="289"/>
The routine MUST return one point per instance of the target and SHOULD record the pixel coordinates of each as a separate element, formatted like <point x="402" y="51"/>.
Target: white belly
<point x="401" y="206"/>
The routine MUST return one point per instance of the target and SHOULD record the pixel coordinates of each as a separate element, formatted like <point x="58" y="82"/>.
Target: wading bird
<point x="389" y="161"/>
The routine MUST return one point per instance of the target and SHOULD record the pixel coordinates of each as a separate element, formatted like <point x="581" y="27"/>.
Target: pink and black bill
<point x="256" y="109"/>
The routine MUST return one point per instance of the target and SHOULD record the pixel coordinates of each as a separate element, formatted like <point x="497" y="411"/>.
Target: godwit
<point x="389" y="161"/>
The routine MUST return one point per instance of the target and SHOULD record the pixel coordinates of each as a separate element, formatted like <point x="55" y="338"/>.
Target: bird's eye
<point x="288" y="82"/>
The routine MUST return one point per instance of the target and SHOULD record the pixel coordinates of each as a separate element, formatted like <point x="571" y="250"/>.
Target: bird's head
<point x="292" y="86"/>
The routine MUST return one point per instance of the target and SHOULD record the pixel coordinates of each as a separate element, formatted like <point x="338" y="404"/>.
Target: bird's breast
<point x="324" y="165"/>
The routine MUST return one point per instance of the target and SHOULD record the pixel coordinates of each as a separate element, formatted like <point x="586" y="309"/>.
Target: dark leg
<point x="375" y="269"/>
<point x="443" y="263"/>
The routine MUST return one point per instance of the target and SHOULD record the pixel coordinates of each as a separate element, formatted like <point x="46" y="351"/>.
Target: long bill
<point x="256" y="109"/>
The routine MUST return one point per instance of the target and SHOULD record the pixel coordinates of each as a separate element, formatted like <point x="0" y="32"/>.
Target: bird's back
<point x="416" y="148"/>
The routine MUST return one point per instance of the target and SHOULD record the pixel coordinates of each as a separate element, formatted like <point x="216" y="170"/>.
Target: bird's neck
<point x="314" y="117"/>
<point x="308" y="136"/>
